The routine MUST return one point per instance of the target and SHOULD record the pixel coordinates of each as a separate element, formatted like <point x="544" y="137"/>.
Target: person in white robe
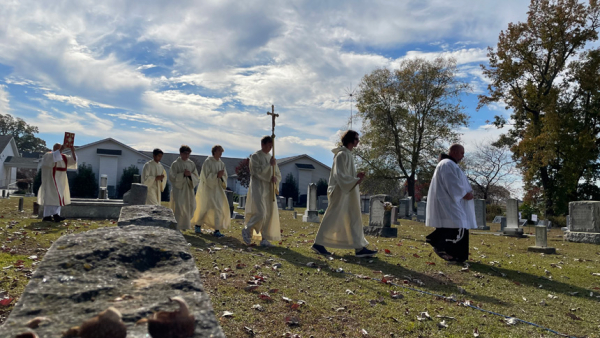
<point x="212" y="206"/>
<point x="184" y="178"/>
<point x="54" y="192"/>
<point x="262" y="215"/>
<point x="450" y="208"/>
<point x="154" y="177"/>
<point x="342" y="226"/>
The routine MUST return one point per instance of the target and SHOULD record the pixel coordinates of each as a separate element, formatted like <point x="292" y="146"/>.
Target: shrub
<point x="127" y="180"/>
<point x="493" y="210"/>
<point x="322" y="187"/>
<point x="289" y="188"/>
<point x="84" y="183"/>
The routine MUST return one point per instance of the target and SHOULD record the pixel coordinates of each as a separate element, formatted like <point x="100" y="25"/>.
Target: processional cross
<point x="273" y="117"/>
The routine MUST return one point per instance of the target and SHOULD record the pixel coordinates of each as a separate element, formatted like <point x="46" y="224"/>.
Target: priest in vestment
<point x="212" y="206"/>
<point x="184" y="177"/>
<point x="342" y="223"/>
<point x="54" y="192"/>
<point x="262" y="215"/>
<point x="450" y="208"/>
<point x="154" y="177"/>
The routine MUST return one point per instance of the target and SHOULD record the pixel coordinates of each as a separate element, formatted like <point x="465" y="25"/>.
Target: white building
<point x="11" y="160"/>
<point x="109" y="157"/>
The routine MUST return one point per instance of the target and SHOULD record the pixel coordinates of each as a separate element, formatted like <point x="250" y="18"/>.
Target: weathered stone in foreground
<point x="136" y="195"/>
<point x="89" y="208"/>
<point x="380" y="231"/>
<point x="83" y="274"/>
<point x="149" y="215"/>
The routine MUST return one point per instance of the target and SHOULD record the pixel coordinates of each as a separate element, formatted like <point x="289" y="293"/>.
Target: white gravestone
<point x="421" y="211"/>
<point x="290" y="204"/>
<point x="584" y="222"/>
<point x="377" y="211"/>
<point x="322" y="202"/>
<point x="395" y="215"/>
<point x="541" y="241"/>
<point x="311" y="214"/>
<point x="512" y="219"/>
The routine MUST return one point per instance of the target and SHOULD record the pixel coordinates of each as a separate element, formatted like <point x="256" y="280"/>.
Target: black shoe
<point x="364" y="252"/>
<point x="320" y="250"/>
<point x="57" y="218"/>
<point x="47" y="219"/>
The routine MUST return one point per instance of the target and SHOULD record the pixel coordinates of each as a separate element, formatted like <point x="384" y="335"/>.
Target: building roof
<point x="143" y="153"/>
<point x="21" y="162"/>
<point x="4" y="141"/>
<point x="284" y="160"/>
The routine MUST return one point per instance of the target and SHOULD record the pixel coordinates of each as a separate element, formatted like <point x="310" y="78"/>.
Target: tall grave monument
<point x="480" y="215"/>
<point x="512" y="219"/>
<point x="311" y="214"/>
<point x="584" y="222"/>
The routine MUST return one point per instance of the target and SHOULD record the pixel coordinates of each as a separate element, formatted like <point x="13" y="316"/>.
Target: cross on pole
<point x="273" y="117"/>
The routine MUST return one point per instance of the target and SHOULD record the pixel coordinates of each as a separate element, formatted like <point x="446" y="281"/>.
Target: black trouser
<point x="453" y="242"/>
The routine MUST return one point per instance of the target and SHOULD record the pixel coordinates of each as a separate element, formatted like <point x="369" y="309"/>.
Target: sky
<point x="165" y="73"/>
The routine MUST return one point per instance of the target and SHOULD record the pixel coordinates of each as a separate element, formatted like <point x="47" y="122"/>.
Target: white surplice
<point x="155" y="188"/>
<point x="262" y="215"/>
<point x="342" y="226"/>
<point x="183" y="200"/>
<point x="446" y="207"/>
<point x="54" y="190"/>
<point x="212" y="207"/>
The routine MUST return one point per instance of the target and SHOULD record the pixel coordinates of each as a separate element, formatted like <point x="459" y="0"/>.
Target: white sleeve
<point x="56" y="156"/>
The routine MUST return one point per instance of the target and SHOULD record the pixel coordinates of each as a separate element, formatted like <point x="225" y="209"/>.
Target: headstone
<point x="311" y="214"/>
<point x="395" y="215"/>
<point x="421" y="211"/>
<point x="82" y="274"/>
<point x="502" y="223"/>
<point x="541" y="241"/>
<point x="280" y="202"/>
<point x="20" y="203"/>
<point x="148" y="215"/>
<point x="322" y="202"/>
<point x="137" y="178"/>
<point x="364" y="204"/>
<point x="584" y="222"/>
<point x="512" y="219"/>
<point x="290" y="204"/>
<point x="102" y="193"/>
<point x="136" y="195"/>
<point x="380" y="220"/>
<point x="3" y="193"/>
<point x="229" y="195"/>
<point x="480" y="215"/>
<point x="404" y="209"/>
<point x="242" y="202"/>
<point x="497" y="219"/>
<point x="36" y="208"/>
<point x="237" y="215"/>
<point x="295" y="216"/>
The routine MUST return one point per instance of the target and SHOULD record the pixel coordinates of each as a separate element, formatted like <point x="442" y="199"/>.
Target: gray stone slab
<point x="380" y="231"/>
<point x="290" y="204"/>
<point x="421" y="211"/>
<point x="147" y="215"/>
<point x="544" y="250"/>
<point x="136" y="195"/>
<point x="512" y="213"/>
<point x="582" y="237"/>
<point x="364" y="204"/>
<point x="311" y="216"/>
<point x="322" y="202"/>
<point x="395" y="215"/>
<point x="89" y="208"/>
<point x="376" y="213"/>
<point x="502" y="223"/>
<point x="480" y="215"/>
<point x="83" y="274"/>
<point x="497" y="219"/>
<point x="311" y="197"/>
<point x="584" y="216"/>
<point x="237" y="216"/>
<point x="280" y="202"/>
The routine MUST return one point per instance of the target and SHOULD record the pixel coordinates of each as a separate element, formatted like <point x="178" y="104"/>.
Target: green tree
<point x="127" y="180"/>
<point x="322" y="187"/>
<point x="408" y="114"/>
<point x="289" y="188"/>
<point x="554" y="121"/>
<point x="85" y="184"/>
<point x="23" y="133"/>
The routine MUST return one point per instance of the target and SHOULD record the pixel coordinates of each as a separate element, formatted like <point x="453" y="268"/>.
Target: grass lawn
<point x="555" y="291"/>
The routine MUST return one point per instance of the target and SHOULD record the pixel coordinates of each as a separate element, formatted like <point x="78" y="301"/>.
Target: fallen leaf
<point x="265" y="296"/>
<point x="258" y="307"/>
<point x="286" y="299"/>
<point x="292" y="321"/>
<point x="430" y="263"/>
<point x="476" y="332"/>
<point x="249" y="330"/>
<point x="364" y="332"/>
<point x="349" y="292"/>
<point x="6" y="301"/>
<point x="387" y="251"/>
<point x="416" y="256"/>
<point x="511" y="321"/>
<point x="423" y="316"/>
<point x="572" y="316"/>
<point x="227" y="314"/>
<point x="443" y="325"/>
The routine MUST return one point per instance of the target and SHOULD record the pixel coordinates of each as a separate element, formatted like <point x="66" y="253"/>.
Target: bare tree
<point x="491" y="171"/>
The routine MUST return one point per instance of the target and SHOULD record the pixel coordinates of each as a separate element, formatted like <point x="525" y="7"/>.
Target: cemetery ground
<point x="288" y="290"/>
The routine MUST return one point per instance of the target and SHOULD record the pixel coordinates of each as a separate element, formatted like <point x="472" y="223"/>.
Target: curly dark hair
<point x="157" y="152"/>
<point x="348" y="137"/>
<point x="266" y="139"/>
<point x="185" y="149"/>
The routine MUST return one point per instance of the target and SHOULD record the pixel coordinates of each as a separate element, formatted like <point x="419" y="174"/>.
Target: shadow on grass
<point x="526" y="279"/>
<point x="47" y="227"/>
<point x="439" y="285"/>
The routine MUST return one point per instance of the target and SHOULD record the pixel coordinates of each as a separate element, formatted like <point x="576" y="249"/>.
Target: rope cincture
<point x="468" y="305"/>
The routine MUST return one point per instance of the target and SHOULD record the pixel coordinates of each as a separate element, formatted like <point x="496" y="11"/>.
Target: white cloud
<point x="4" y="101"/>
<point x="179" y="105"/>
<point x="144" y="67"/>
<point x="87" y="123"/>
<point x="75" y="101"/>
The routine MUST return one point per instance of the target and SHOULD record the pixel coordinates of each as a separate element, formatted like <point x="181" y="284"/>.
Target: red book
<point x="69" y="140"/>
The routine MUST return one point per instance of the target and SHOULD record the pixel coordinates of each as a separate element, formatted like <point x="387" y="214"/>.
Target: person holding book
<point x="54" y="192"/>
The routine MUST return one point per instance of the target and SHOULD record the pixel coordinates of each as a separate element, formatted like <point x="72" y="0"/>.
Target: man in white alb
<point x="154" y="177"/>
<point x="54" y="192"/>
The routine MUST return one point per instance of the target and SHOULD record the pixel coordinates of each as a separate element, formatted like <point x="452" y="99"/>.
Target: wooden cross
<point x="273" y="117"/>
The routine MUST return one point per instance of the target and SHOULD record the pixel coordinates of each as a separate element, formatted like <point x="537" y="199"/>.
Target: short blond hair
<point x="215" y="148"/>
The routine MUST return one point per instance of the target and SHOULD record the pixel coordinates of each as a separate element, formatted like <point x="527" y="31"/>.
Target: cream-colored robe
<point x="446" y="207"/>
<point x="342" y="226"/>
<point x="55" y="186"/>
<point x="262" y="215"/>
<point x="212" y="207"/>
<point x="155" y="188"/>
<point x="183" y="201"/>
